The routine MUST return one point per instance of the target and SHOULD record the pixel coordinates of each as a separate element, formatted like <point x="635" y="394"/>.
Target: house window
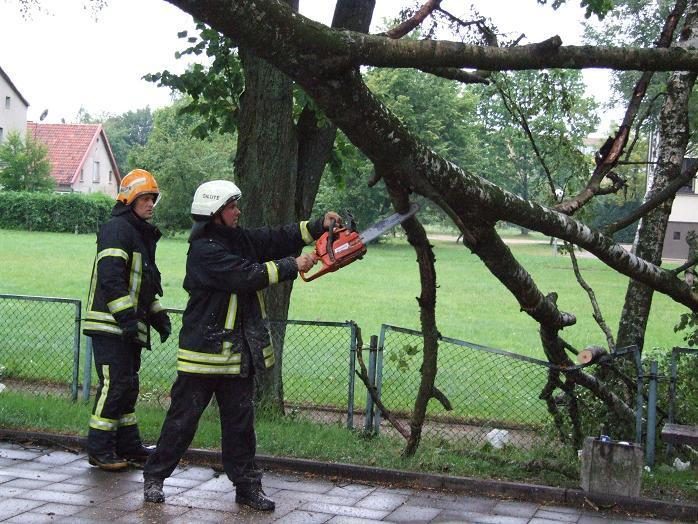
<point x="677" y="235"/>
<point x="110" y="176"/>
<point x="82" y="175"/>
<point x="1" y="134"/>
<point x="95" y="172"/>
<point x="7" y="102"/>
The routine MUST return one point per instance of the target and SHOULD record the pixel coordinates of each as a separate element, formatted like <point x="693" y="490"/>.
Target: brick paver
<point x="50" y="485"/>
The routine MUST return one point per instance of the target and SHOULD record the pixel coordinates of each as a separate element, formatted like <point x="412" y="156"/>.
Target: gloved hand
<point x="129" y="333"/>
<point x="161" y="323"/>
<point x="165" y="334"/>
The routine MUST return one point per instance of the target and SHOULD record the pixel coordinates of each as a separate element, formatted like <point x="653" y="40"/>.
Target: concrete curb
<point x="396" y="478"/>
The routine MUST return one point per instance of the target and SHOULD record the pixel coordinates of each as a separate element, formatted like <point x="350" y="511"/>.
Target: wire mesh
<point x="493" y="394"/>
<point x="39" y="344"/>
<point x="315" y="358"/>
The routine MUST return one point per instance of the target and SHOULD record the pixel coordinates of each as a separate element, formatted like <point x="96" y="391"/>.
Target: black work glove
<point x="129" y="333"/>
<point x="161" y="322"/>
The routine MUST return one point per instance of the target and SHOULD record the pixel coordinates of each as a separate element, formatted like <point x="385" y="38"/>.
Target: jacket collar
<point x="145" y="228"/>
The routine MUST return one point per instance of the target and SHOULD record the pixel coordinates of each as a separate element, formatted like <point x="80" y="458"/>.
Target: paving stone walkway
<point x="39" y="484"/>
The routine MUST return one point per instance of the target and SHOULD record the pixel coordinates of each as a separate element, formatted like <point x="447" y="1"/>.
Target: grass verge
<point x="291" y="436"/>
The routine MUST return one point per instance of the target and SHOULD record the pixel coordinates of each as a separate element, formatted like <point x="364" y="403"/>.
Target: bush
<point x="55" y="212"/>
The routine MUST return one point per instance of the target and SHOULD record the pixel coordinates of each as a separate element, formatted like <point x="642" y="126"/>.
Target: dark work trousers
<point x="117" y="364"/>
<point x="189" y="397"/>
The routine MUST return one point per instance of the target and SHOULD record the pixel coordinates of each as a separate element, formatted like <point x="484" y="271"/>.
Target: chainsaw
<point x="340" y="246"/>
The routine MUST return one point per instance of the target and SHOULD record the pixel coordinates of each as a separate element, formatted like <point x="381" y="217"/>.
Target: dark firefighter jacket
<point x="125" y="280"/>
<point x="224" y="324"/>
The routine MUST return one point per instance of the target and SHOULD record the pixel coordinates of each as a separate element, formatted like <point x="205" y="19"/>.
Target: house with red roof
<point x="13" y="107"/>
<point x="80" y="155"/>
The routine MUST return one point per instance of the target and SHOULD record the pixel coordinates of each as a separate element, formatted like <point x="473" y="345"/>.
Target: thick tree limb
<point x="688" y="171"/>
<point x="291" y="41"/>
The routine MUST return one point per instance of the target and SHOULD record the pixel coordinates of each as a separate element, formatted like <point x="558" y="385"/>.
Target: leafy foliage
<point x="214" y="92"/>
<point x="600" y="8"/>
<point x="24" y="165"/>
<point x="181" y="162"/>
<point x="548" y="108"/>
<point x="127" y="131"/>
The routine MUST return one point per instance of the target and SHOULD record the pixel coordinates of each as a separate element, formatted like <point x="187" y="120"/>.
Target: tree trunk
<point x="279" y="165"/>
<point x="649" y="240"/>
<point x="265" y="167"/>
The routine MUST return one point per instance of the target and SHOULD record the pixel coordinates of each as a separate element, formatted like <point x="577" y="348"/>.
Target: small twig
<point x="598" y="316"/>
<point x="437" y="394"/>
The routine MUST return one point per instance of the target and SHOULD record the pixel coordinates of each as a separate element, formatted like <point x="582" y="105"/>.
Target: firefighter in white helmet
<point x="122" y="305"/>
<point x="224" y="341"/>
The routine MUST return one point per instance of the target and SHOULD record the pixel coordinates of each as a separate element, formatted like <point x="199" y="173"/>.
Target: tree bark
<point x="279" y="164"/>
<point x="265" y="167"/>
<point x="649" y="239"/>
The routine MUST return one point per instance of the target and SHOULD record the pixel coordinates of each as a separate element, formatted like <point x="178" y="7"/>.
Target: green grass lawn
<point x="381" y="288"/>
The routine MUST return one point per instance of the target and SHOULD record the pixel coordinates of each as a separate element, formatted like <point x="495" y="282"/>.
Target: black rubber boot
<point x="152" y="490"/>
<point x="100" y="450"/>
<point x="129" y="445"/>
<point x="253" y="495"/>
<point x="139" y="456"/>
<point x="108" y="461"/>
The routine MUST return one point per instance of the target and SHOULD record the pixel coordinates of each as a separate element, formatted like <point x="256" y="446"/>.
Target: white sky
<point x="66" y="57"/>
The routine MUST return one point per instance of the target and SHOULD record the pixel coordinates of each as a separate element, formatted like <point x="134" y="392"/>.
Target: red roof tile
<point x="68" y="146"/>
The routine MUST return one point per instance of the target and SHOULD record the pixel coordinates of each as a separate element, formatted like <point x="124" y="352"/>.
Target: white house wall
<point x="684" y="208"/>
<point x="13" y="118"/>
<point x="107" y="180"/>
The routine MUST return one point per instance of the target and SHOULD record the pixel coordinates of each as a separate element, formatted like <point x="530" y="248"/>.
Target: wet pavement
<point x="49" y="484"/>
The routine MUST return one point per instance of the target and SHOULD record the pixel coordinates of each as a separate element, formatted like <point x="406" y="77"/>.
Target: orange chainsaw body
<point x="335" y="249"/>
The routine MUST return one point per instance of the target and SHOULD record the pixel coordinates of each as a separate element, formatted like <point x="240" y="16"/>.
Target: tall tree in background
<point x="24" y="165"/>
<point x="126" y="132"/>
<point x="181" y="162"/>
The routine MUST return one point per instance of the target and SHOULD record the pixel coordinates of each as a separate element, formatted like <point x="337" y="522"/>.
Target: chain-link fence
<point x="494" y="395"/>
<point x="40" y="344"/>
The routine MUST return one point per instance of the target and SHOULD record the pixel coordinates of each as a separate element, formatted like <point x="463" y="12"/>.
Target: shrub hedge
<point x="56" y="212"/>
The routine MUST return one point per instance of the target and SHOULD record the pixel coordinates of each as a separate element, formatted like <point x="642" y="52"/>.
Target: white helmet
<point x="211" y="197"/>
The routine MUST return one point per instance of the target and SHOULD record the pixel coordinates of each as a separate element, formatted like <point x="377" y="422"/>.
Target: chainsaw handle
<point x="330" y="240"/>
<point x="324" y="269"/>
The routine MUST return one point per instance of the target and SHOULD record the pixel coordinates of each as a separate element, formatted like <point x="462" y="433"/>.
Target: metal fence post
<point x="87" y="371"/>
<point x="76" y="351"/>
<point x="639" y="403"/>
<point x="651" y="414"/>
<point x="368" y="419"/>
<point x="352" y="371"/>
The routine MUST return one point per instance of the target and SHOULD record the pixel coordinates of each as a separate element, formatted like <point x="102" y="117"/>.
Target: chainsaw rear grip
<point x="334" y="249"/>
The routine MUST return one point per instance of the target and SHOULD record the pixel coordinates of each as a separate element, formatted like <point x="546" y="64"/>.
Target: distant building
<point x="683" y="218"/>
<point x="13" y="108"/>
<point x="80" y="155"/>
